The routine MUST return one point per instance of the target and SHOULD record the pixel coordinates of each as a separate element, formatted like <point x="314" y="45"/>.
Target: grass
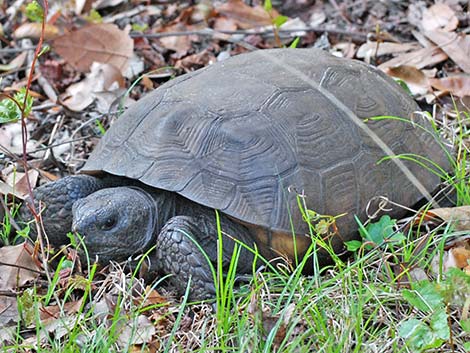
<point x="390" y="296"/>
<point x="359" y="308"/>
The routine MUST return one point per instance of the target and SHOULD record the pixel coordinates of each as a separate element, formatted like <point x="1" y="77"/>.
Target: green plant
<point x="11" y="108"/>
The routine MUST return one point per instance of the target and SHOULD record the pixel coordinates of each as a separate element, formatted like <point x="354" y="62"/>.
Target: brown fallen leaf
<point x="33" y="30"/>
<point x="195" y="61"/>
<point x="18" y="184"/>
<point x="180" y="44"/>
<point x="152" y="297"/>
<point x="421" y="58"/>
<point x="246" y="16"/>
<point x="103" y="77"/>
<point x="104" y="43"/>
<point x="417" y="81"/>
<point x="455" y="45"/>
<point x="371" y="48"/>
<point x="458" y="257"/>
<point x="18" y="266"/>
<point x="457" y="85"/>
<point x="8" y="313"/>
<point x="11" y="139"/>
<point x="439" y="16"/>
<point x="137" y="331"/>
<point x="53" y="312"/>
<point x="16" y="63"/>
<point x="458" y="216"/>
<point x="82" y="6"/>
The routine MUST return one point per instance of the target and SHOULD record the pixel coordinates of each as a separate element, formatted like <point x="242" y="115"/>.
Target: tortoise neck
<point x="166" y="208"/>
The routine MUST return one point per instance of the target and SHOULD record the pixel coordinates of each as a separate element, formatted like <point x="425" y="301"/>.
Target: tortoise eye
<point x="109" y="223"/>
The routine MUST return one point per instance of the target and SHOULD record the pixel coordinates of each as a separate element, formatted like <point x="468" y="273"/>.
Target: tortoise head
<point x="115" y="223"/>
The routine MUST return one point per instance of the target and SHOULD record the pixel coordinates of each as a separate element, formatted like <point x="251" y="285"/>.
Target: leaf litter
<point x="89" y="64"/>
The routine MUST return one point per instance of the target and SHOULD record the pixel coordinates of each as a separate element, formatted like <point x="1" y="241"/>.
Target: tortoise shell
<point x="247" y="135"/>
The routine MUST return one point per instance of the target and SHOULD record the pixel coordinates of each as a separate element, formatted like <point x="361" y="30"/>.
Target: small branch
<point x="357" y="36"/>
<point x="20" y="267"/>
<point x="5" y="51"/>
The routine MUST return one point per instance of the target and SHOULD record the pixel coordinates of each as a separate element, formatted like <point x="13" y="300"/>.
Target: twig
<point x="15" y="50"/>
<point x="20" y="267"/>
<point x="357" y="36"/>
<point x="61" y="143"/>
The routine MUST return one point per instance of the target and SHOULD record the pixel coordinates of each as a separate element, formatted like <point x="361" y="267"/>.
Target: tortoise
<point x="246" y="136"/>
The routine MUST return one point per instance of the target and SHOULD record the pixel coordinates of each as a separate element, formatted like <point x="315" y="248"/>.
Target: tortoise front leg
<point x="178" y="255"/>
<point x="56" y="200"/>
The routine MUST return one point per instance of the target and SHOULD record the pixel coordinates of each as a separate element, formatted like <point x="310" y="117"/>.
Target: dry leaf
<point x="152" y="297"/>
<point x="246" y="16"/>
<point x="103" y="77"/>
<point x="53" y="312"/>
<point x="455" y="45"/>
<point x="16" y="63"/>
<point x="18" y="266"/>
<point x="458" y="85"/>
<point x="458" y="216"/>
<point x="11" y="140"/>
<point x="147" y="83"/>
<point x="317" y="17"/>
<point x="179" y="44"/>
<point x="345" y="49"/>
<point x="196" y="61"/>
<point x="458" y="257"/>
<point x="82" y="6"/>
<point x="222" y="23"/>
<point x="439" y="16"/>
<point x="420" y="58"/>
<point x="103" y="43"/>
<point x="101" y="4"/>
<point x="8" y="313"/>
<point x="417" y="81"/>
<point x="33" y="30"/>
<point x="370" y="49"/>
<point x="138" y="331"/>
<point x="17" y="185"/>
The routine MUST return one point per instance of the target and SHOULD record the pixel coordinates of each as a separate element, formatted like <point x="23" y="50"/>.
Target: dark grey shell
<point x="247" y="134"/>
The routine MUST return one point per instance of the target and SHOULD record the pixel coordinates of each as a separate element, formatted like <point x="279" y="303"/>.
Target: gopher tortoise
<point x="246" y="137"/>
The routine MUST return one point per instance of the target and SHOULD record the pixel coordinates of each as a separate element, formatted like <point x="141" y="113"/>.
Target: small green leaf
<point x="20" y="98"/>
<point x="440" y="325"/>
<point x="425" y="296"/>
<point x="44" y="49"/>
<point x="66" y="264"/>
<point x="404" y="86"/>
<point x="139" y="27"/>
<point x="466" y="346"/>
<point x="94" y="17"/>
<point x="353" y="245"/>
<point x="465" y="324"/>
<point x="280" y="20"/>
<point x="34" y="12"/>
<point x="27" y="303"/>
<point x="295" y="43"/>
<point x="268" y="6"/>
<point x="379" y="231"/>
<point x="9" y="111"/>
<point x="416" y="333"/>
<point x="100" y="127"/>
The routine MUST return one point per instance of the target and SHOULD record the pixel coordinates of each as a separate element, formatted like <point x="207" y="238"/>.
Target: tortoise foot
<point x="178" y="255"/>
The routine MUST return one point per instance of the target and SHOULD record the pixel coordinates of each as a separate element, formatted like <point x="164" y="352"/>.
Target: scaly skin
<point x="55" y="201"/>
<point x="178" y="255"/>
<point x="118" y="222"/>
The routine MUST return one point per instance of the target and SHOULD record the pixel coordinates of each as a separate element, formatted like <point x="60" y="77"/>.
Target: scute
<point x="246" y="136"/>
